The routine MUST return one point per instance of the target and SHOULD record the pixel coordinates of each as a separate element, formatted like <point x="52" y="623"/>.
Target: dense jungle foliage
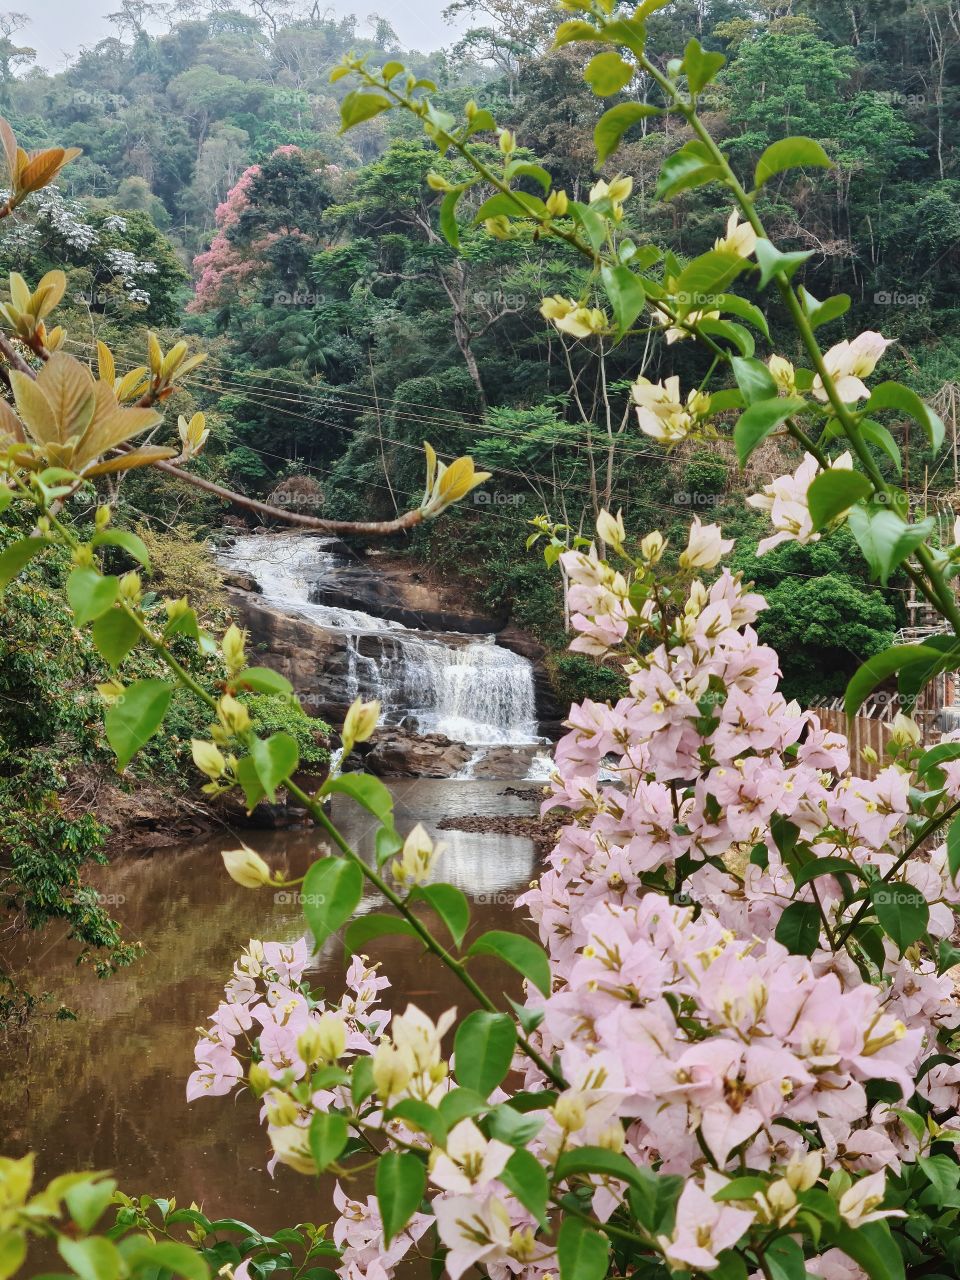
<point x="216" y="196"/>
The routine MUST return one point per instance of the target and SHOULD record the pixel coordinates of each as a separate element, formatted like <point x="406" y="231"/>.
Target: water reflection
<point x="107" y="1091"/>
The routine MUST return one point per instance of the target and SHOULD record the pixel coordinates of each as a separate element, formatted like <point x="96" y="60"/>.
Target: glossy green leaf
<point x="275" y="759"/>
<point x="130" y="543"/>
<point x="17" y="556"/>
<point x="133" y="719"/>
<point x="772" y="262"/>
<point x="874" y="1249"/>
<point x="332" y="890"/>
<point x="885" y="539"/>
<point x="367" y="791"/>
<point x="819" y="313"/>
<point x="90" y="593"/>
<point x="790" y="153"/>
<point x="360" y="105"/>
<point x="524" y="1176"/>
<point x="893" y="395"/>
<point x="483" y="1047"/>
<point x="798" y="929"/>
<point x="114" y="634"/>
<point x="518" y="951"/>
<point x="834" y="492"/>
<point x="94" y="1258"/>
<point x="400" y="1184"/>
<point x="902" y="910"/>
<point x="615" y="122"/>
<point x="376" y="924"/>
<point x="626" y="293"/>
<point x="880" y="667"/>
<point x="582" y="1252"/>
<point x="262" y="680"/>
<point x="683" y="171"/>
<point x="420" y="1115"/>
<point x="573" y="31"/>
<point x="754" y="379"/>
<point x="451" y="906"/>
<point x="328" y="1137"/>
<point x="758" y="420"/>
<point x="700" y="67"/>
<point x="607" y="73"/>
<point x="449" y="227"/>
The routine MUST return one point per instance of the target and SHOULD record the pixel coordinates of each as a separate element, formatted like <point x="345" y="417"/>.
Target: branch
<point x="374" y="528"/>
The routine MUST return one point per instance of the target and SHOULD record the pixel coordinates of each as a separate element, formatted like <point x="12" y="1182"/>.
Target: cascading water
<point x="468" y="688"/>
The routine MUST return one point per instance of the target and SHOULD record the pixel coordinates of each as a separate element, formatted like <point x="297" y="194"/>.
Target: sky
<point x="63" y="26"/>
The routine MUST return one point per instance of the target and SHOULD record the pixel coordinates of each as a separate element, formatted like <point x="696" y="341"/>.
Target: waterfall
<point x="466" y="687"/>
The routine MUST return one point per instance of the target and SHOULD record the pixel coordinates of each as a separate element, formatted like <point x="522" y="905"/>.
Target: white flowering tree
<point x="737" y="1051"/>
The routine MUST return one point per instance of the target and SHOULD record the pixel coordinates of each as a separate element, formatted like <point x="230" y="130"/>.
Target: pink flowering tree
<point x="737" y="1051"/>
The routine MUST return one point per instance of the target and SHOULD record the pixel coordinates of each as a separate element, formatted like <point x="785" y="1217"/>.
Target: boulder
<point x="398" y="753"/>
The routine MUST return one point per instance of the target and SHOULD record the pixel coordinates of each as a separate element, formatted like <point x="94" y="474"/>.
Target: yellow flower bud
<point x="437" y="183"/>
<point x="570" y="1112"/>
<point x="652" y="547"/>
<point x="234" y="654"/>
<point x="102" y="518"/>
<point x="508" y="143"/>
<point x="208" y="758"/>
<point x="611" y="529"/>
<point x="557" y="204"/>
<point x="391" y="1070"/>
<point x="233" y="715"/>
<point x="131" y="588"/>
<point x="259" y="1078"/>
<point x="359" y="722"/>
<point x="905" y="732"/>
<point x="281" y="1109"/>
<point x="498" y="227"/>
<point x="246" y="867"/>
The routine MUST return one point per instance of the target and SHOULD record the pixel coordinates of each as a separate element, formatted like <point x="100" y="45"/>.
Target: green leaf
<point x="421" y="1116"/>
<point x="90" y="594"/>
<point x="893" y="395"/>
<point x="525" y="169"/>
<point x="626" y="293"/>
<point x="484" y="1046"/>
<point x="684" y="170"/>
<point x="700" y="67"/>
<point x="953" y="849"/>
<point x="252" y="786"/>
<point x="359" y="105"/>
<point x="798" y="929"/>
<point x="449" y="227"/>
<point x="400" y="1184"/>
<point x="700" y="279"/>
<point x="135" y="716"/>
<point x="328" y="1137"/>
<point x="133" y="545"/>
<point x="735" y="334"/>
<point x="819" y="313"/>
<point x="361" y="1083"/>
<point x="771" y="261"/>
<point x="451" y="906"/>
<point x="87" y="1200"/>
<point x="275" y="759"/>
<point x="876" y="433"/>
<point x="332" y="890"/>
<point x="754" y="380"/>
<point x="745" y="310"/>
<point x="874" y="1249"/>
<point x="830" y="866"/>
<point x="524" y="1176"/>
<point x="600" y="1161"/>
<point x="518" y="204"/>
<point x="885" y="539"/>
<point x="114" y="634"/>
<point x="375" y="925"/>
<point x="582" y="1252"/>
<point x="784" y="1257"/>
<point x="459" y="1104"/>
<point x="936" y="756"/>
<point x="759" y="419"/>
<point x="17" y="556"/>
<point x="943" y="1172"/>
<point x="880" y="667"/>
<point x="615" y="122"/>
<point x="368" y="792"/>
<point x="513" y="1127"/>
<point x="575" y="30"/>
<point x="92" y="1259"/>
<point x="593" y="224"/>
<point x="387" y="843"/>
<point x="833" y="493"/>
<point x="262" y="680"/>
<point x="13" y="1250"/>
<point x="522" y="953"/>
<point x="607" y="73"/>
<point x="165" y="1255"/>
<point x="902" y="910"/>
<point x="790" y="153"/>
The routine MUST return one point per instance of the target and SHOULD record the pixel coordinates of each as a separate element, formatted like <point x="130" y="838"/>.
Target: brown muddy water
<point x="107" y="1091"/>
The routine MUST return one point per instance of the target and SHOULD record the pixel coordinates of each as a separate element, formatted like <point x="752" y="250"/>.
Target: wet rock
<point x="401" y="593"/>
<point x="397" y="753"/>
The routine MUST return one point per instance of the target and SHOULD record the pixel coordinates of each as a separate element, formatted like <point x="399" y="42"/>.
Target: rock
<point x="241" y="581"/>
<point x="401" y="593"/>
<point x="397" y="753"/>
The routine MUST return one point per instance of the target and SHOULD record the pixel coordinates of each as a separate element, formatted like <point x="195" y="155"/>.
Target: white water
<point x="471" y="689"/>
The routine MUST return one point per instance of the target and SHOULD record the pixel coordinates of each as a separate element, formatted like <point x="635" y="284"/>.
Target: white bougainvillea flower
<point x="660" y="411"/>
<point x="677" y="332"/>
<point x="740" y="238"/>
<point x="785" y="501"/>
<point x="706" y="546"/>
<point x="859" y="1205"/>
<point x="848" y="363"/>
<point x="470" y="1161"/>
